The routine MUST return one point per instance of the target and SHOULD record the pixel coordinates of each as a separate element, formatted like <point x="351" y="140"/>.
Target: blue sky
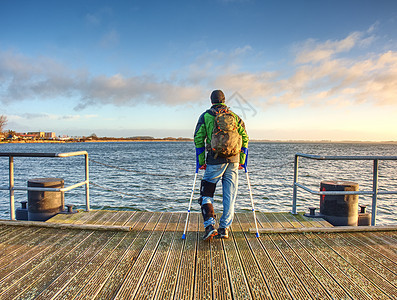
<point x="311" y="70"/>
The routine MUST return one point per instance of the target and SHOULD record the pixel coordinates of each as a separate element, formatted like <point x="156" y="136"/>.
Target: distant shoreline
<point x="191" y="140"/>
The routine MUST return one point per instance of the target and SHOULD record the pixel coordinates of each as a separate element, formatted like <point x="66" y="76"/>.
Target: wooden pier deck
<point x="141" y="256"/>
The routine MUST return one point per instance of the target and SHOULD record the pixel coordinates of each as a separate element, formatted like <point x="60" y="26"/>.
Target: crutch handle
<point x="245" y="151"/>
<point x="198" y="152"/>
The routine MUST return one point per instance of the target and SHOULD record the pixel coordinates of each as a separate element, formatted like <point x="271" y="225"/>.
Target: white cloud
<point x="27" y="78"/>
<point x="321" y="73"/>
<point x="312" y="51"/>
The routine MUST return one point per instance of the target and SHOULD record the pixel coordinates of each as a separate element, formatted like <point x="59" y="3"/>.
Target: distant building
<point x="39" y="134"/>
<point x="50" y="135"/>
<point x="26" y="136"/>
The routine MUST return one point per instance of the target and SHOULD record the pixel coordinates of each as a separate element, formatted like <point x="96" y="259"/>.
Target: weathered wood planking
<point x="151" y="261"/>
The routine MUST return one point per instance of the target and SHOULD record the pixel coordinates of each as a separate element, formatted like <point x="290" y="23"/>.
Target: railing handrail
<point x="375" y="192"/>
<point x="12" y="188"/>
<point x="343" y="157"/>
<point x="33" y="154"/>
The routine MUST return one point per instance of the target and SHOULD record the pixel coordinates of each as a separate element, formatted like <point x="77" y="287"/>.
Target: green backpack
<point x="225" y="141"/>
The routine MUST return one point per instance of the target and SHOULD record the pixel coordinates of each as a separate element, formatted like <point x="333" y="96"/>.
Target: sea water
<point x="158" y="176"/>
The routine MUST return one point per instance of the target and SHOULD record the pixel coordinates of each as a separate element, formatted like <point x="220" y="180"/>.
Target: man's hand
<point x="203" y="167"/>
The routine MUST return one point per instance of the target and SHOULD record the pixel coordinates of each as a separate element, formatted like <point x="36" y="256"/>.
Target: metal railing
<point x="375" y="192"/>
<point x="11" y="187"/>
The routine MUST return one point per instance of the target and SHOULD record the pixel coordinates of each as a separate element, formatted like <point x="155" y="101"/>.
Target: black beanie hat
<point x="217" y="96"/>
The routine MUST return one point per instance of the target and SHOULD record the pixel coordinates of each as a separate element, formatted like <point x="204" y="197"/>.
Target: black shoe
<point x="223" y="233"/>
<point x="210" y="231"/>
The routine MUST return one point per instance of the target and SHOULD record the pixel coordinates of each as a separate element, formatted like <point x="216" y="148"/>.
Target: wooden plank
<point x="71" y="273"/>
<point x="80" y="217"/>
<point x="114" y="268"/>
<point x="351" y="271"/>
<point x="17" y="272"/>
<point x="4" y="230"/>
<point x="238" y="283"/>
<point x="282" y="220"/>
<point x="168" y="281"/>
<point x="58" y="218"/>
<point x="101" y="218"/>
<point x="152" y="261"/>
<point x="317" y="271"/>
<point x="106" y="218"/>
<point x="324" y="222"/>
<point x="274" y="282"/>
<point x="97" y="217"/>
<point x="315" y="290"/>
<point x="29" y="249"/>
<point x="141" y="264"/>
<point x="37" y="279"/>
<point x="13" y="235"/>
<point x="185" y="284"/>
<point x="385" y="259"/>
<point x="70" y="265"/>
<point x="381" y="276"/>
<point x="124" y="216"/>
<point x="257" y="284"/>
<point x="203" y="288"/>
<point x="293" y="220"/>
<point x="134" y="222"/>
<point x="263" y="221"/>
<point x="316" y="222"/>
<point x="376" y="240"/>
<point x="145" y="221"/>
<point x="294" y="286"/>
<point x="75" y="282"/>
<point x="115" y="281"/>
<point x="66" y="217"/>
<point x="336" y="229"/>
<point x="388" y="239"/>
<point x="18" y="244"/>
<point x="148" y="285"/>
<point x="307" y="222"/>
<point x="112" y="218"/>
<point x="344" y="280"/>
<point x="220" y="278"/>
<point x="273" y="221"/>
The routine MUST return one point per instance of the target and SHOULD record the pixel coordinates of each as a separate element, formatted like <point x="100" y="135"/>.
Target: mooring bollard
<point x="364" y="218"/>
<point x="339" y="210"/>
<point x="42" y="205"/>
<point x="21" y="213"/>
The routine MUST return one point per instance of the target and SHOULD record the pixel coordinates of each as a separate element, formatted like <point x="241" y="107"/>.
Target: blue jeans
<point x="228" y="172"/>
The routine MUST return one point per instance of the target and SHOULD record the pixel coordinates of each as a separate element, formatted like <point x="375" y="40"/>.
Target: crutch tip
<point x="183" y="236"/>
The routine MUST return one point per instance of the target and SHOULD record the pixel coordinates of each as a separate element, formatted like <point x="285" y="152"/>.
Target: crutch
<point x="198" y="152"/>
<point x="245" y="150"/>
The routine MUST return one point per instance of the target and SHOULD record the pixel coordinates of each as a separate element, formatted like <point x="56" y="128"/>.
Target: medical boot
<point x="209" y="221"/>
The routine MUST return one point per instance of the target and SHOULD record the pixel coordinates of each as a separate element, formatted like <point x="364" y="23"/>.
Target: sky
<point x="292" y="69"/>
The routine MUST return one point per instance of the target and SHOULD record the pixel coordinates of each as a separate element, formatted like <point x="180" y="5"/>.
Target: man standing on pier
<point x="221" y="135"/>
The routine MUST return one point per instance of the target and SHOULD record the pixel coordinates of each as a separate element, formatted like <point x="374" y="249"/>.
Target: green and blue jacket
<point x="203" y="135"/>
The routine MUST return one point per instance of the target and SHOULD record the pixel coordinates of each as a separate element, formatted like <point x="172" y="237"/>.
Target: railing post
<point x="375" y="192"/>
<point x="296" y="163"/>
<point x="87" y="184"/>
<point x="11" y="182"/>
